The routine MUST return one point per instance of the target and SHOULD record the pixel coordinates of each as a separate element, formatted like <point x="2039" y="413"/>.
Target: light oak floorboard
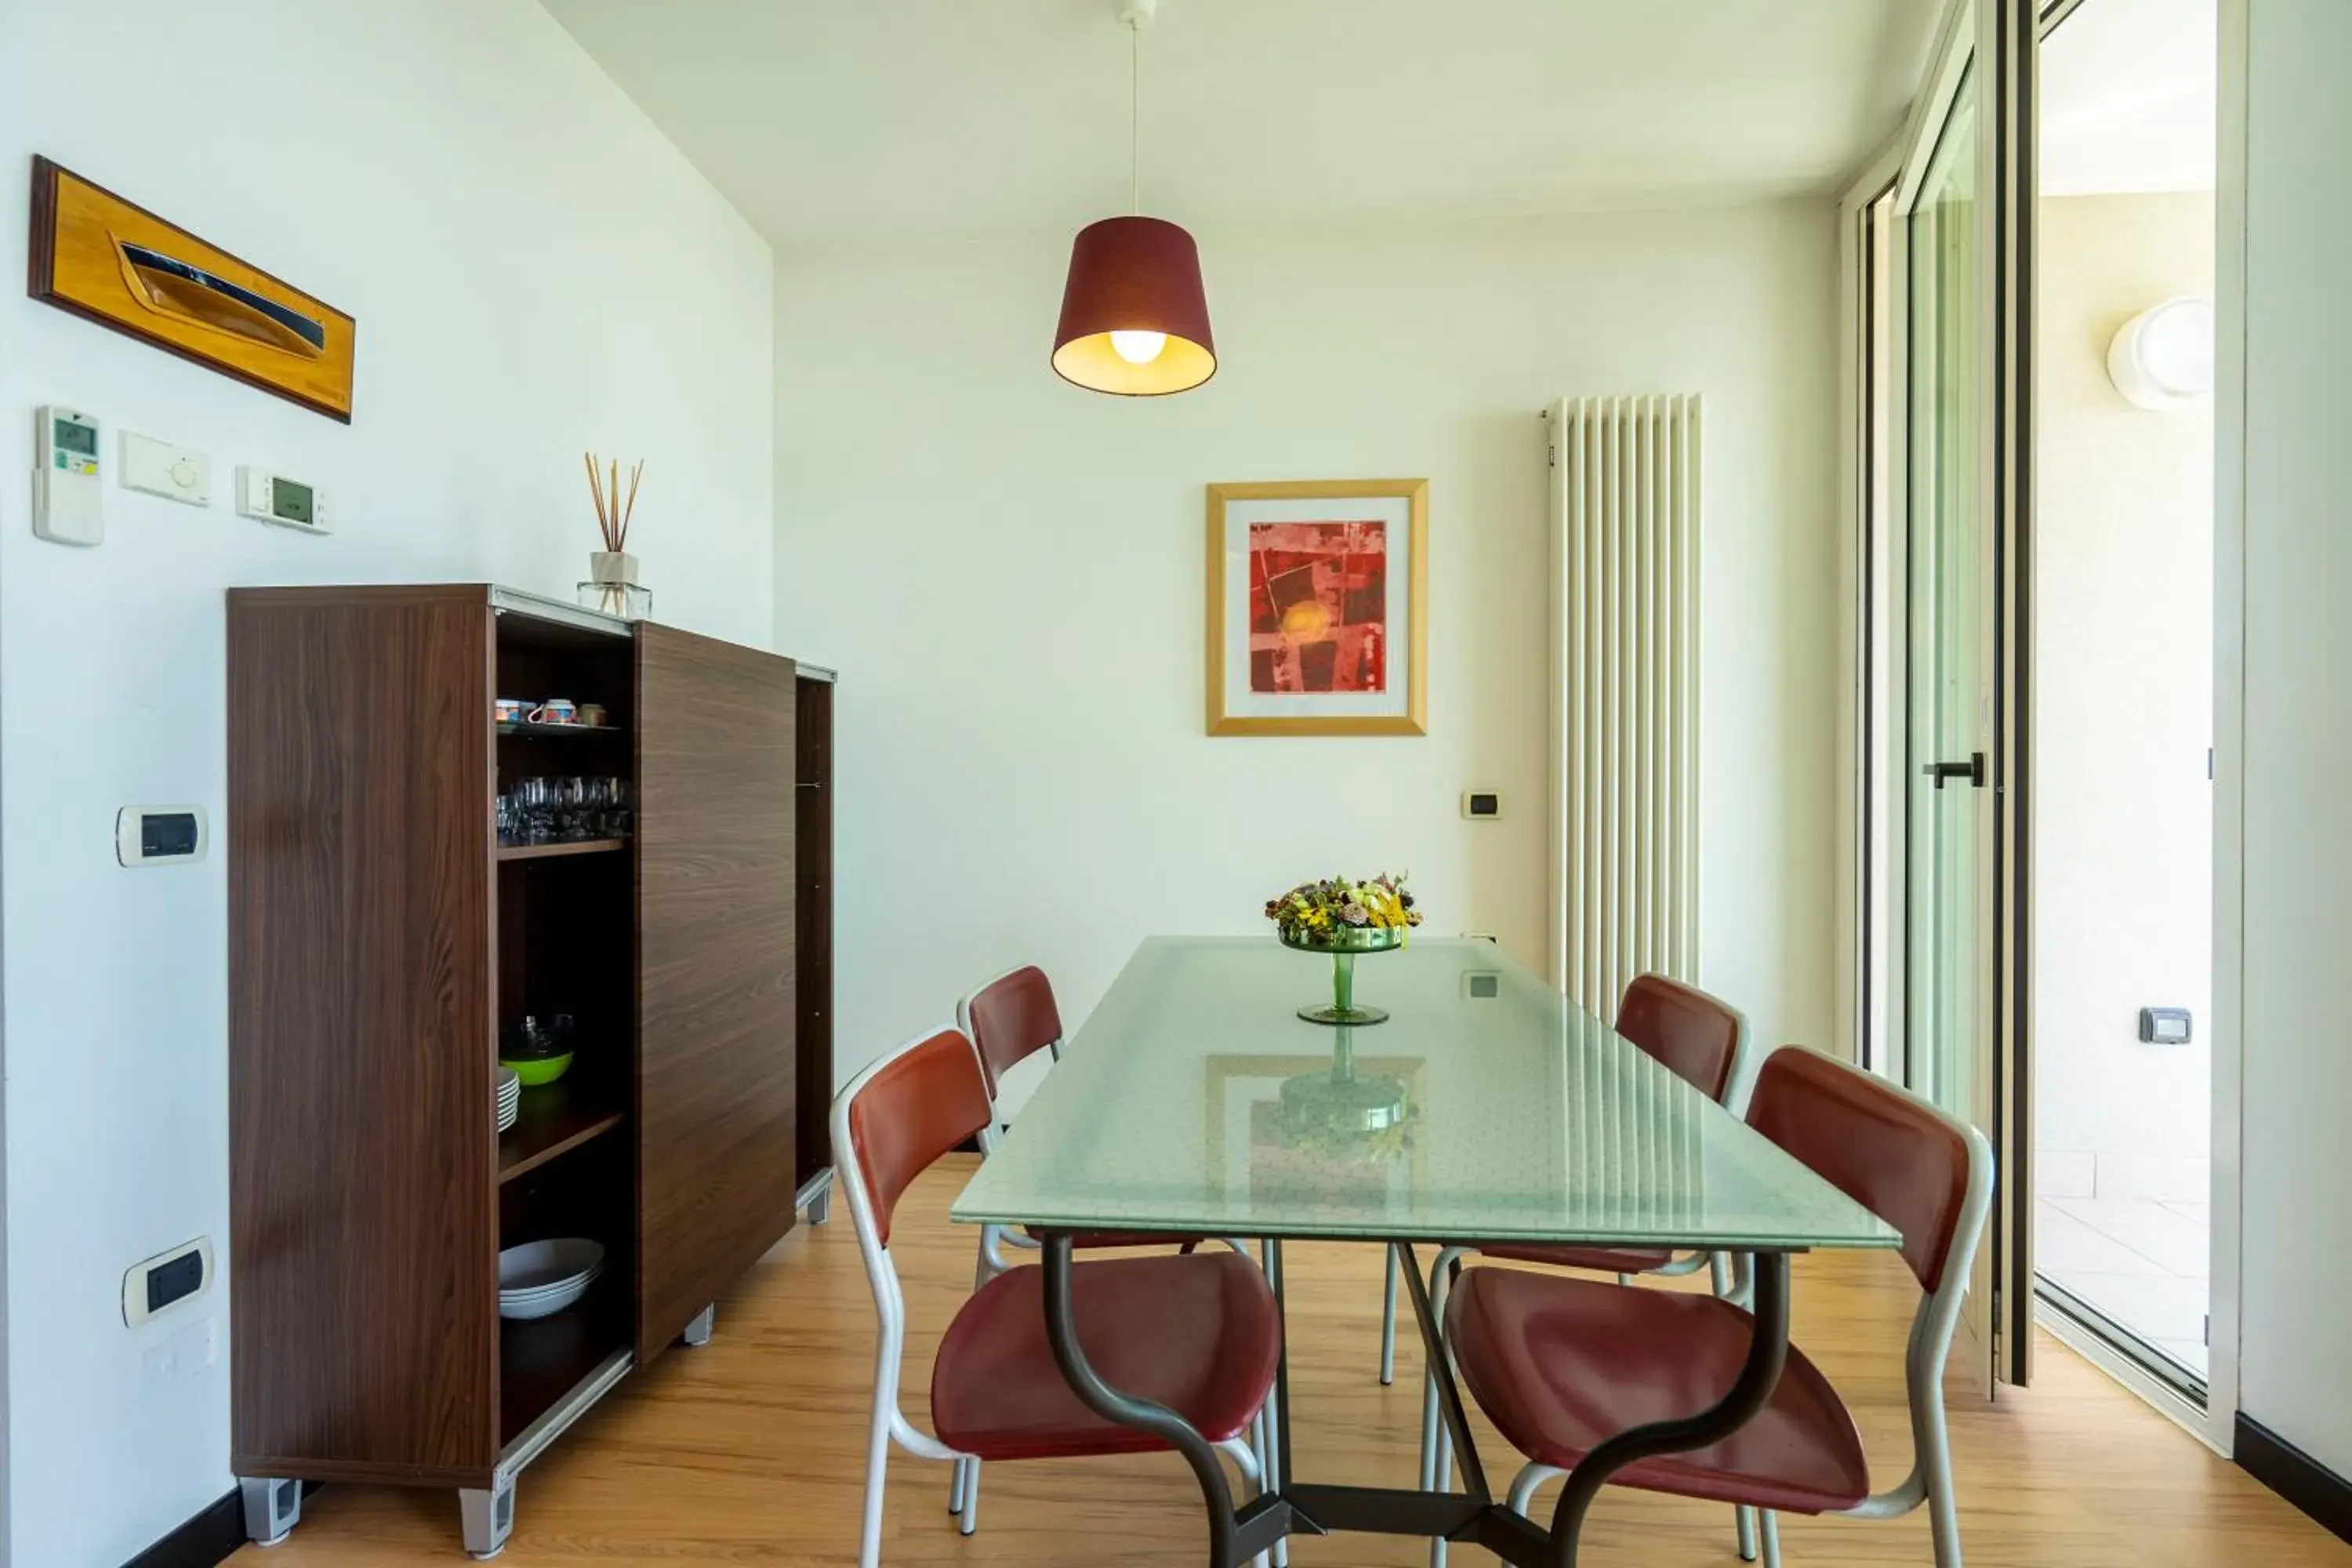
<point x="751" y="1450"/>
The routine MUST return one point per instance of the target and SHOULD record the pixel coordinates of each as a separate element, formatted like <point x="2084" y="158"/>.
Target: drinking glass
<point x="535" y="798"/>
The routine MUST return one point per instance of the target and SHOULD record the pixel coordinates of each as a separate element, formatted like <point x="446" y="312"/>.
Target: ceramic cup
<point x="592" y="715"/>
<point x="510" y="710"/>
<point x="555" y="710"/>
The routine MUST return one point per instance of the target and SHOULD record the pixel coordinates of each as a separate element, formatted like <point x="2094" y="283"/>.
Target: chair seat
<point x="1560" y="1365"/>
<point x="1198" y="1333"/>
<point x="1607" y="1259"/>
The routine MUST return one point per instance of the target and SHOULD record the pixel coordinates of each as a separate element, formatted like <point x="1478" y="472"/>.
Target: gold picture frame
<point x="1323" y="659"/>
<point x="121" y="266"/>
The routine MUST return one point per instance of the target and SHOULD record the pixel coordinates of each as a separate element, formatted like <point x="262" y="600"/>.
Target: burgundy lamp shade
<point x="1134" y="320"/>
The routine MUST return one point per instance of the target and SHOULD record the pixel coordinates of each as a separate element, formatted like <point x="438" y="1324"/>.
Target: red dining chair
<point x="1561" y="1364"/>
<point x="1009" y="1020"/>
<point x="1200" y="1334"/>
<point x="1701" y="1039"/>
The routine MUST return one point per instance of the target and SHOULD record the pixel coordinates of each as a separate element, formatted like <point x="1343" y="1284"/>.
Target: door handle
<point x="1973" y="770"/>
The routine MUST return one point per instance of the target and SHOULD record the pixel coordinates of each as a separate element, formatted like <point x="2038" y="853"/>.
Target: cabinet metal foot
<point x="698" y="1328"/>
<point x="272" y="1507"/>
<point x="820" y="1208"/>
<point x="489" y="1518"/>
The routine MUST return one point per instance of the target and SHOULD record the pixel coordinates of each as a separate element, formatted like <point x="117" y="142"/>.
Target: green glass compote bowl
<point x="1343" y="945"/>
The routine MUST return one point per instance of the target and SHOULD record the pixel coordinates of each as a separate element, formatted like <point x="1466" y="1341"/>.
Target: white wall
<point x="2123" y="713"/>
<point x="2295" y="1373"/>
<point x="534" y="270"/>
<point x="1009" y="571"/>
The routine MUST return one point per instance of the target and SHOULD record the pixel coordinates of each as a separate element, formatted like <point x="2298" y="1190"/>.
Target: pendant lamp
<point x="1134" y="320"/>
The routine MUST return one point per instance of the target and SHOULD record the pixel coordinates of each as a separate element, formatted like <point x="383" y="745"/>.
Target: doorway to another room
<point x="2120" y="989"/>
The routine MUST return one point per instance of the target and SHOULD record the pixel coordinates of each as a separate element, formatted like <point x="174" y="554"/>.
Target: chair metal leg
<point x="1771" y="1532"/>
<point x="970" y="1520"/>
<point x="955" y="1486"/>
<point x="1436" y="1423"/>
<point x="1743" y="1522"/>
<point x="1524" y="1486"/>
<point x="1388" y="1323"/>
<point x="877" y="1443"/>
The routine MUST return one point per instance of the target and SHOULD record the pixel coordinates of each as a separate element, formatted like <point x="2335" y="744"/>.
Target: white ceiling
<point x="2128" y="98"/>
<point x="831" y="121"/>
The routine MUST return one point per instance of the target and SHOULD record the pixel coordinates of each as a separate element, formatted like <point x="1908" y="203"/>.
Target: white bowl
<point x="542" y="1278"/>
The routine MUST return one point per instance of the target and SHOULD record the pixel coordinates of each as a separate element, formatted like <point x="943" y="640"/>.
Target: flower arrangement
<point x="1318" y="911"/>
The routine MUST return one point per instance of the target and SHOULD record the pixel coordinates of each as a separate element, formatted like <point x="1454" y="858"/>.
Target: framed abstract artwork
<point x="1319" y="620"/>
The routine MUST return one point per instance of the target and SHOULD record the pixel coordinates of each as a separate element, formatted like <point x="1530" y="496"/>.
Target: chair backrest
<point x="1694" y="1035"/>
<point x="899" y="1116"/>
<point x="1011" y="1019"/>
<point x="1897" y="1156"/>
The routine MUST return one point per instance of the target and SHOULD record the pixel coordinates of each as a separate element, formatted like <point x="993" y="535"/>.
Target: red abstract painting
<point x="1319" y="606"/>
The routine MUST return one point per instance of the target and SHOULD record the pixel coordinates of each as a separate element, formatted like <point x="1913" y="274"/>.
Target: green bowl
<point x="537" y="1070"/>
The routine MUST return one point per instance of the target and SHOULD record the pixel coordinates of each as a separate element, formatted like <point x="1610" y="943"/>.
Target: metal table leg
<point x="1768" y="1352"/>
<point x="1231" y="1538"/>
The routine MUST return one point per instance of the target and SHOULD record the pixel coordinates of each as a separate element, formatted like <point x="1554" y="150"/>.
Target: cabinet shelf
<point x="525" y="727"/>
<point x="544" y="1363"/>
<point x="552" y="1123"/>
<point x="569" y="847"/>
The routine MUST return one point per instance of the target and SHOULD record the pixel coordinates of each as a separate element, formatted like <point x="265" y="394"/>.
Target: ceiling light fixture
<point x="1134" y="319"/>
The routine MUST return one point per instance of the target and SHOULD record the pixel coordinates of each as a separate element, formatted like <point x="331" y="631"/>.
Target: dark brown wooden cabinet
<point x="380" y="937"/>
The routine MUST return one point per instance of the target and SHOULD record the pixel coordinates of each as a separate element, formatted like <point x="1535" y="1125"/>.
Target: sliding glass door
<point x="1947" y="670"/>
<point x="1941" y="490"/>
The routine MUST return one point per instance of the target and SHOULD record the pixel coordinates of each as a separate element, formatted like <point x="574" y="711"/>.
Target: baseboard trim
<point x="206" y="1538"/>
<point x="2295" y="1476"/>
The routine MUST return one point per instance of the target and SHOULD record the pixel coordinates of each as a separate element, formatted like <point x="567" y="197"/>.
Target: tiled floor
<point x="2144" y="1263"/>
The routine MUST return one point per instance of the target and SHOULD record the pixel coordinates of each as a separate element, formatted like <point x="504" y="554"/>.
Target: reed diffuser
<point x="612" y="584"/>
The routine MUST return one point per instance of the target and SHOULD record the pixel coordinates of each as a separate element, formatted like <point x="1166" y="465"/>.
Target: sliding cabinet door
<point x="716" y="1002"/>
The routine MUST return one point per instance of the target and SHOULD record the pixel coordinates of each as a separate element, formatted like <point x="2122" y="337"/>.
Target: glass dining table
<point x="1487" y="1108"/>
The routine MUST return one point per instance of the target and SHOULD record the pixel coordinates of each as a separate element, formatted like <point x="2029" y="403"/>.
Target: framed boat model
<point x="117" y="264"/>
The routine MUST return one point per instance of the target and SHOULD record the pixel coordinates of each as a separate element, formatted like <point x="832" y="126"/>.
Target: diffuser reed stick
<point x="613" y="513"/>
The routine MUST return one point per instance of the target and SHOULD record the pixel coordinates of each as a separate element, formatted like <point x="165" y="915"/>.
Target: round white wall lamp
<point x="2163" y="357"/>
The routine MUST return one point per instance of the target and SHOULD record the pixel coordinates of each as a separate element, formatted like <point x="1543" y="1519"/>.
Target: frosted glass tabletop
<point x="1487" y="1108"/>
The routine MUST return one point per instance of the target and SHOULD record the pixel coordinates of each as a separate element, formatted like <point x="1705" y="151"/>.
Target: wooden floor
<point x="749" y="1451"/>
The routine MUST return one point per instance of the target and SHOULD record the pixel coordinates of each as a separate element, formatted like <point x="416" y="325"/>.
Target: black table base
<point x="1472" y="1515"/>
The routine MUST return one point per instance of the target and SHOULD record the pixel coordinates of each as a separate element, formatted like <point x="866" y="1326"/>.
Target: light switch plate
<point x="160" y="468"/>
<point x="161" y="835"/>
<point x="159" y="1283"/>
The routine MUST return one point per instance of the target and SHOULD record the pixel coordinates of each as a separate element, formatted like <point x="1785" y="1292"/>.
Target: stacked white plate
<point x="540" y="1277"/>
<point x="509" y="1096"/>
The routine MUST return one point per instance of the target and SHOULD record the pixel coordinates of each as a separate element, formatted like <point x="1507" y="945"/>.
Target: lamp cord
<point x="1134" y="119"/>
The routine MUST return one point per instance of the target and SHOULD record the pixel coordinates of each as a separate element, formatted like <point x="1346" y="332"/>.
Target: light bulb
<point x="1137" y="348"/>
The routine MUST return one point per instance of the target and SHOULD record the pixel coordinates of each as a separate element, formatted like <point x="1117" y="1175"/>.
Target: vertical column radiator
<point x="1624" y="531"/>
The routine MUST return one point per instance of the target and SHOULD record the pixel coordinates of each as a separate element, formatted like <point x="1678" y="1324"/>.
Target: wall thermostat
<point x="160" y="835"/>
<point x="69" y="496"/>
<point x="1482" y="805"/>
<point x="289" y="503"/>
<point x="160" y="468"/>
<point x="166" y="1280"/>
